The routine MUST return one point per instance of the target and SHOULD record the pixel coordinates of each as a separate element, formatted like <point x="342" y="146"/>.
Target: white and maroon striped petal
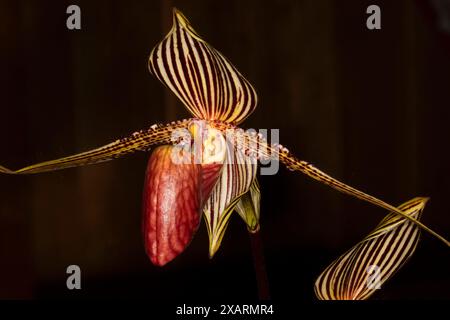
<point x="359" y="272"/>
<point x="201" y="77"/>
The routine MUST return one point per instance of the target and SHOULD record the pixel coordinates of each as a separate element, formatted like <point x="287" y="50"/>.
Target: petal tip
<point x="253" y="228"/>
<point x="162" y="259"/>
<point x="179" y="17"/>
<point x="213" y="248"/>
<point x="5" y="170"/>
<point x="425" y="199"/>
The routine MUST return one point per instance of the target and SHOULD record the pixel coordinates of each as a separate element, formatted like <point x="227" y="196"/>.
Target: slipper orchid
<point x="211" y="167"/>
<point x="359" y="272"/>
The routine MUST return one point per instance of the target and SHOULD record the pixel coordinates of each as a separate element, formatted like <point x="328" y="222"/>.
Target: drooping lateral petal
<point x="138" y="141"/>
<point x="307" y="168"/>
<point x="358" y="273"/>
<point x="238" y="174"/>
<point x="248" y="207"/>
<point x="258" y="145"/>
<point x="171" y="205"/>
<point x="202" y="78"/>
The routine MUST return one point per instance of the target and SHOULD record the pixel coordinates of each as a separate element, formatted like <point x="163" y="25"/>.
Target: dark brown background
<point x="368" y="107"/>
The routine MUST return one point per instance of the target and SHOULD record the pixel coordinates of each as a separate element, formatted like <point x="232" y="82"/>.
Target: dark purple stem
<point x="260" y="265"/>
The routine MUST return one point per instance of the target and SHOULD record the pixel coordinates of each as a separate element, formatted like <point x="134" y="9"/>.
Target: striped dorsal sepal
<point x="202" y="78"/>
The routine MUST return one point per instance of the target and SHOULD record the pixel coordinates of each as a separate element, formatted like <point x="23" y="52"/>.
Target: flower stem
<point x="259" y="264"/>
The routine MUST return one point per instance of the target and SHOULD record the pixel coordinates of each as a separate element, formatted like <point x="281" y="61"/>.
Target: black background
<point x="368" y="107"/>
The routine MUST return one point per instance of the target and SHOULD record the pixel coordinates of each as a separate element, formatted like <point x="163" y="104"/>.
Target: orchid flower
<point x="362" y="270"/>
<point x="218" y="173"/>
